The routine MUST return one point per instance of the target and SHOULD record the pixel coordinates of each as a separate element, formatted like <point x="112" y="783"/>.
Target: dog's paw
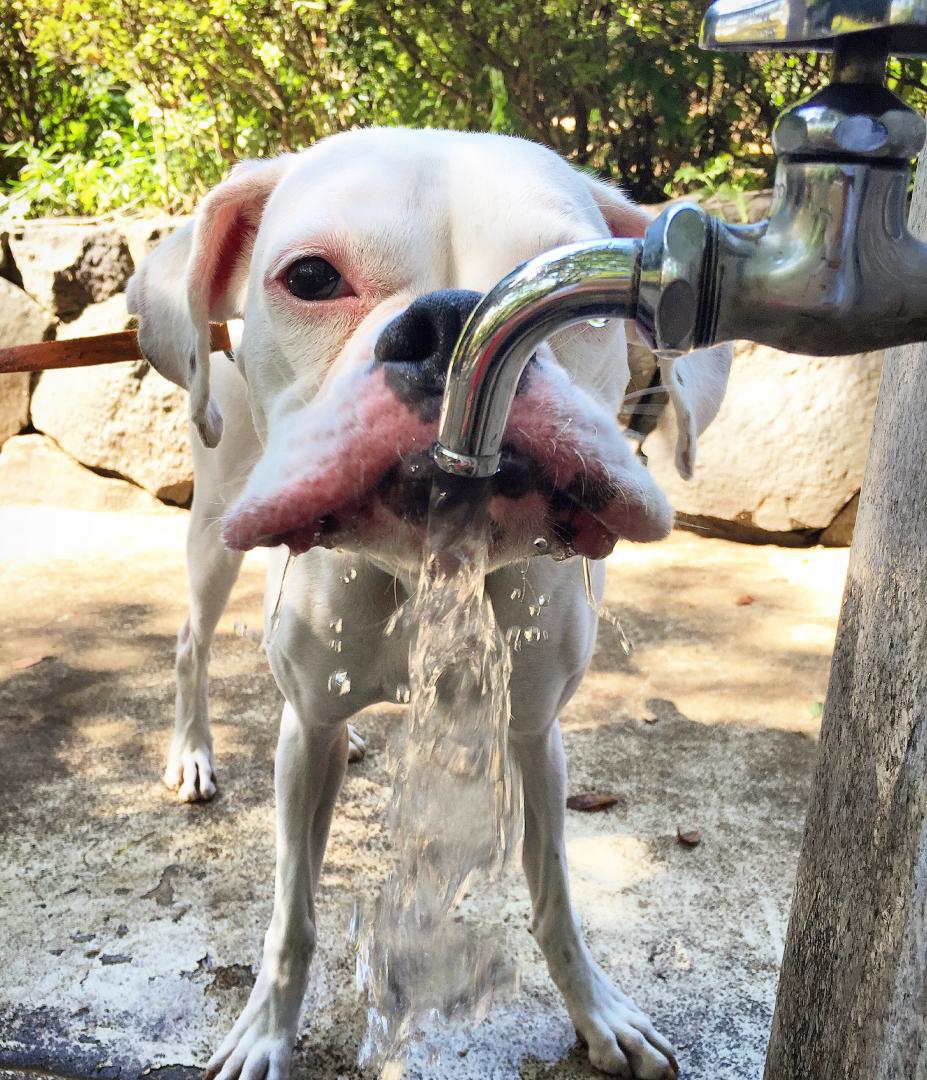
<point x="251" y="1057"/>
<point x="191" y="772"/>
<point x="620" y="1039"/>
<point x="255" y="1047"/>
<point x="356" y="745"/>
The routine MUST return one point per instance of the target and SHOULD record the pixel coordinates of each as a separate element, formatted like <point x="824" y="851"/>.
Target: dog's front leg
<point x="621" y="1039"/>
<point x="310" y="765"/>
<point x="312" y="754"/>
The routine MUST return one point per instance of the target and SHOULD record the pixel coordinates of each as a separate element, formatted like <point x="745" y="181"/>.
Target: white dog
<point x="353" y="266"/>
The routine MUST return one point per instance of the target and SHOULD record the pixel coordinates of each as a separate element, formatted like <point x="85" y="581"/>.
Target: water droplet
<point x="348" y="576"/>
<point x="541" y="546"/>
<point x="532" y="634"/>
<point x="339" y="682"/>
<point x="403" y="694"/>
<point x="336" y="625"/>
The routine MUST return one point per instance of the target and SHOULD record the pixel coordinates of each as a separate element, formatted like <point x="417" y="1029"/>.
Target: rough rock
<point x="34" y="471"/>
<point x="145" y="233"/>
<point x="102" y="318"/>
<point x="749" y="206"/>
<point x="785" y="455"/>
<point x="67" y="265"/>
<point x="840" y="531"/>
<point x="15" y="390"/>
<point x="122" y="418"/>
<point x="8" y="270"/>
<point x="22" y="321"/>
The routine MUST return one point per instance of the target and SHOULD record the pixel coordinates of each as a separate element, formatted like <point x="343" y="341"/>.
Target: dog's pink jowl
<point x="354" y="469"/>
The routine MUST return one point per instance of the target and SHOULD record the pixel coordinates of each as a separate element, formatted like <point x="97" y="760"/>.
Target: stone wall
<point x="66" y="278"/>
<point x="782" y="463"/>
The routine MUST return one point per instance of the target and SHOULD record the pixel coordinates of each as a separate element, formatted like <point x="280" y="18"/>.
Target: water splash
<point x="456" y="808"/>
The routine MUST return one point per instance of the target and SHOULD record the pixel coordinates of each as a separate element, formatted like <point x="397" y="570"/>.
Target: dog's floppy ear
<point x="197" y="276"/>
<point x="697" y="381"/>
<point x="623" y="217"/>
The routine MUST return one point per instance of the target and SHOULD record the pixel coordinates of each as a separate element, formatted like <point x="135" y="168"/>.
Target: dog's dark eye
<point x="312" y="278"/>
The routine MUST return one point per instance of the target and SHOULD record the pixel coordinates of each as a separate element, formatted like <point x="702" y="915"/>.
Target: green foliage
<point x="148" y="102"/>
<point x="722" y="177"/>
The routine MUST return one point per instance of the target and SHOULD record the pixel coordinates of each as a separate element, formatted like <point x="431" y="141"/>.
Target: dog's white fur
<point x="416" y="211"/>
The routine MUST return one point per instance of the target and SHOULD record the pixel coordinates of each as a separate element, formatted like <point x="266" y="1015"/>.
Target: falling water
<point x="604" y="613"/>
<point x="456" y="814"/>
<point x="271" y="630"/>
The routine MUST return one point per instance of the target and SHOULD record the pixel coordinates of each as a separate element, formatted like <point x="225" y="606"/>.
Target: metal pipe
<point x="570" y="284"/>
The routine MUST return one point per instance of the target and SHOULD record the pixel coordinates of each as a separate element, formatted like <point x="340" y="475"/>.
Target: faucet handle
<point x="802" y="25"/>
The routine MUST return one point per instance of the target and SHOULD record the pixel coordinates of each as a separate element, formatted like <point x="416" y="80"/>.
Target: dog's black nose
<point x="426" y="332"/>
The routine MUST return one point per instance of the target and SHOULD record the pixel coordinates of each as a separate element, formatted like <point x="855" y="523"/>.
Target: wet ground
<point x="132" y="925"/>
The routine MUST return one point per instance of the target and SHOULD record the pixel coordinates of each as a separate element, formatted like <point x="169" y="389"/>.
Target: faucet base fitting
<point x="458" y="464"/>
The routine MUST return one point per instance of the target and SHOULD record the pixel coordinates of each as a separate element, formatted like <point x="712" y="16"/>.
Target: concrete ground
<point x="132" y="925"/>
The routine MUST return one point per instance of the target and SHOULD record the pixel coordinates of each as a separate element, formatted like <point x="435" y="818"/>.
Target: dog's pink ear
<point x="623" y="217"/>
<point x="197" y="276"/>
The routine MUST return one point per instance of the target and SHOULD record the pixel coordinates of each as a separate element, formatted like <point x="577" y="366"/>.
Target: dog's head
<point x="354" y="265"/>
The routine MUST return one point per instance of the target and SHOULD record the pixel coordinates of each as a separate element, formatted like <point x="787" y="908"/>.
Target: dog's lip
<point x="346" y="470"/>
<point x="568" y="526"/>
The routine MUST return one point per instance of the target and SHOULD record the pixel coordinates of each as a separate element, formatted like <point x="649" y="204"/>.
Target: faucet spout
<point x="570" y="284"/>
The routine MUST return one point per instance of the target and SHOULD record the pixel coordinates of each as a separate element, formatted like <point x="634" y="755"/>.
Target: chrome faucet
<point x="833" y="270"/>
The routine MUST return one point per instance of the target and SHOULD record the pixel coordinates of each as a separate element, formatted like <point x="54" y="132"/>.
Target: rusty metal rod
<point x="118" y="347"/>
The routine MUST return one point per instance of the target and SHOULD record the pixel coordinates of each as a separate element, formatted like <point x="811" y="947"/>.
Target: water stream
<point x="455" y="816"/>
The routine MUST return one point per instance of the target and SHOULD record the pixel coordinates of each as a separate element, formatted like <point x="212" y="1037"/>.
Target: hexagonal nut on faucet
<point x="671" y="276"/>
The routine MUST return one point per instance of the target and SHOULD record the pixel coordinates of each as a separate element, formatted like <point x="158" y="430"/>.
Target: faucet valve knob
<point x="674" y="256"/>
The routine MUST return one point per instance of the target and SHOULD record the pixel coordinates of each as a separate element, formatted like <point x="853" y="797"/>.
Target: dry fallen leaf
<point x="743" y="601"/>
<point x="689" y="838"/>
<point x="26" y="662"/>
<point x="590" y="801"/>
